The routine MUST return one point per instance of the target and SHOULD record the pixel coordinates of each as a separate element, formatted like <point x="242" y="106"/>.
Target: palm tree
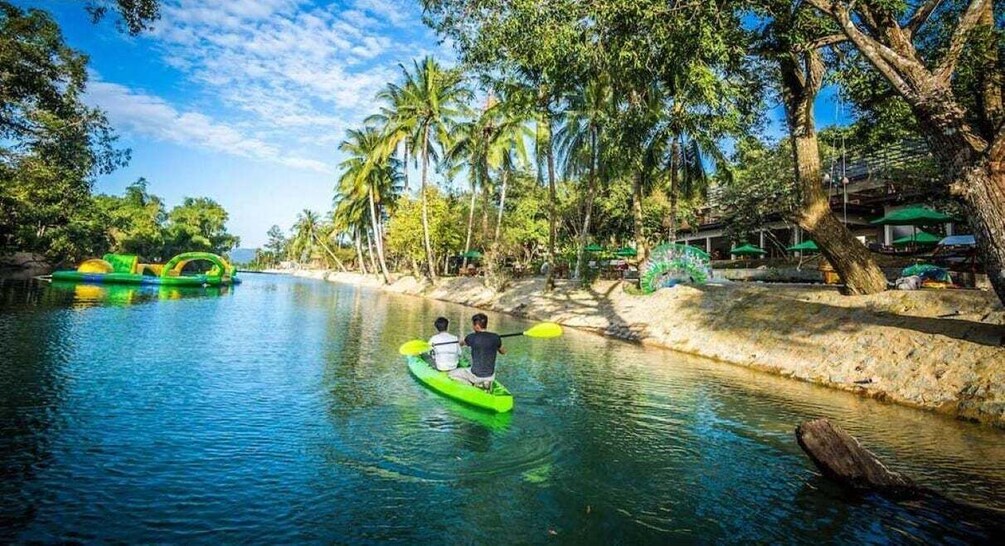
<point x="350" y="219"/>
<point x="580" y="141"/>
<point x="468" y="150"/>
<point x="506" y="149"/>
<point x="370" y="178"/>
<point x="692" y="138"/>
<point x="421" y="114"/>
<point x="308" y="231"/>
<point x="692" y="128"/>
<point x="496" y="140"/>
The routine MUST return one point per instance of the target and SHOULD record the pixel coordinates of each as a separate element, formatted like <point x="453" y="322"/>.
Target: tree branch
<point x="814" y="71"/>
<point x="799" y="80"/>
<point x="822" y="5"/>
<point x="886" y="61"/>
<point x="824" y="41"/>
<point x="921" y="16"/>
<point x="867" y="16"/>
<point x="947" y="65"/>
<point x="996" y="152"/>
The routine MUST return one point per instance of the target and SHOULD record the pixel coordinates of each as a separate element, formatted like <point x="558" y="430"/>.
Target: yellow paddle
<point x="544" y="330"/>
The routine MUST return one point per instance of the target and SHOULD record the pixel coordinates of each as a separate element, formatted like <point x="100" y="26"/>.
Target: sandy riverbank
<point x="937" y="350"/>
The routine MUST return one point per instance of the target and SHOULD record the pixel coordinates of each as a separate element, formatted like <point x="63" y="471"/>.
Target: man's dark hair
<point x="441" y="324"/>
<point x="480" y="320"/>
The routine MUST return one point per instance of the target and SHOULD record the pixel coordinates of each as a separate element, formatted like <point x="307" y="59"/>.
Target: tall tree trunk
<point x="359" y="252"/>
<point x="369" y="251"/>
<point x="591" y="183"/>
<point x="849" y="257"/>
<point x="637" y="215"/>
<point x="471" y="222"/>
<point x="485" y="216"/>
<point x="992" y="82"/>
<point x="674" y="188"/>
<point x="321" y="242"/>
<point x="549" y="283"/>
<point x="973" y="166"/>
<point x="425" y="212"/>
<point x="502" y="205"/>
<point x="976" y="175"/>
<point x="378" y="236"/>
<point x="404" y="162"/>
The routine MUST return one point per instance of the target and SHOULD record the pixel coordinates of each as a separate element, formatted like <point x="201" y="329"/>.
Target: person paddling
<point x="485" y="346"/>
<point x="446" y="351"/>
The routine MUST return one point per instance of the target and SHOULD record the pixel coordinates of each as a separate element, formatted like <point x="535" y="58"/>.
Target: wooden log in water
<point x="840" y="457"/>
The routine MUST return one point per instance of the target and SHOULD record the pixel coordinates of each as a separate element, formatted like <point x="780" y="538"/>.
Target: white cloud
<point x="392" y="11"/>
<point x="265" y="76"/>
<point x="289" y="70"/>
<point x="144" y="114"/>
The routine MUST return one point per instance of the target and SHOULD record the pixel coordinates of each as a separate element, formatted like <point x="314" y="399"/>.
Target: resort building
<point x="862" y="188"/>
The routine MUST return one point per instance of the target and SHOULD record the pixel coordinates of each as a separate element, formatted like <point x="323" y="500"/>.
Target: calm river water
<point x="278" y="411"/>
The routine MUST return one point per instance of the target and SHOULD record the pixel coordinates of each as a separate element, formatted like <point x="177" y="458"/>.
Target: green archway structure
<point x="125" y="269"/>
<point x="221" y="270"/>
<point x="670" y="264"/>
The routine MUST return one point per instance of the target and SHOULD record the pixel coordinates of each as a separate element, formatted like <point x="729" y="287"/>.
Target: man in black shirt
<point x="484" y="347"/>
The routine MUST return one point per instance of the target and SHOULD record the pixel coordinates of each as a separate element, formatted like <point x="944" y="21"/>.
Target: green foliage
<point x="199" y="224"/>
<point x="135" y="16"/>
<point x="370" y="182"/>
<point x="525" y="221"/>
<point x="51" y="144"/>
<point x="446" y="226"/>
<point x="762" y="185"/>
<point x="540" y="41"/>
<point x="277" y="242"/>
<point x="138" y="223"/>
<point x="303" y="244"/>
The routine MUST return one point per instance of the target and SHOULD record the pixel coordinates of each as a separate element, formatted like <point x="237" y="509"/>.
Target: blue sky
<point x="245" y="101"/>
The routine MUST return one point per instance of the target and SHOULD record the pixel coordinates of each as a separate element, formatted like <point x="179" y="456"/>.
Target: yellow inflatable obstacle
<point x="126" y="269"/>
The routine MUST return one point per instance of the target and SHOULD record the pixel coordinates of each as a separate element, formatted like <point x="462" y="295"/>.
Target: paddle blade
<point x="544" y="330"/>
<point x="415" y="347"/>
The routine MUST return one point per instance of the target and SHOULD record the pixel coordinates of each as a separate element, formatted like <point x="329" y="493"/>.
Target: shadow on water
<point x="481" y="420"/>
<point x="32" y="354"/>
<point x="930" y="518"/>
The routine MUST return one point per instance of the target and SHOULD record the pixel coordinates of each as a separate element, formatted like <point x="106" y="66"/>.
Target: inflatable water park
<point x="127" y="269"/>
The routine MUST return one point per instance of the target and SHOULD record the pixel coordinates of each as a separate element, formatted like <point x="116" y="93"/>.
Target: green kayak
<point x="498" y="400"/>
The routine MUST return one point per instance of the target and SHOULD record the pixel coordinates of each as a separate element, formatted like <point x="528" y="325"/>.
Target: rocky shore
<point x="937" y="350"/>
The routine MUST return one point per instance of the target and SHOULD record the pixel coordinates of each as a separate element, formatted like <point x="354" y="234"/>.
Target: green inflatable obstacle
<point x="671" y="264"/>
<point x="126" y="269"/>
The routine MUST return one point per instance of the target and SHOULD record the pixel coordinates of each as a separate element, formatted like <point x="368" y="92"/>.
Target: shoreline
<point x="940" y="351"/>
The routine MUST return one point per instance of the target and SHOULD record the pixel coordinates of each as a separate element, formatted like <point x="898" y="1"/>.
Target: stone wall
<point x="23" y="265"/>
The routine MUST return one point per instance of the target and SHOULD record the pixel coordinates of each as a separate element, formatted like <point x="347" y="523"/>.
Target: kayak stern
<point x="498" y="399"/>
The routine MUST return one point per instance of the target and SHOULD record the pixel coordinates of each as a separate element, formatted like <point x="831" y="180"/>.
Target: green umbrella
<point x="472" y="254"/>
<point x="626" y="252"/>
<point x="593" y="248"/>
<point x="805" y="246"/>
<point x="913" y="216"/>
<point x="748" y="250"/>
<point x="922" y="238"/>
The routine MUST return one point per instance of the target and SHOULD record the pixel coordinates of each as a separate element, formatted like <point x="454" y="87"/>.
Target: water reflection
<point x="284" y="414"/>
<point x="89" y="295"/>
<point x="35" y="293"/>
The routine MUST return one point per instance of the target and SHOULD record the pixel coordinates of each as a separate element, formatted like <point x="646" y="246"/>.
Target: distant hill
<point x="241" y="256"/>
